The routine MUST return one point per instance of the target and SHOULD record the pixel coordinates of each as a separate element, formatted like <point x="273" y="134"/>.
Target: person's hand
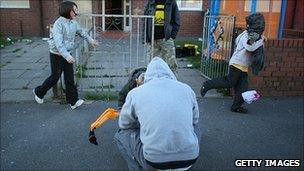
<point x="264" y="38"/>
<point x="95" y="44"/>
<point x="70" y="59"/>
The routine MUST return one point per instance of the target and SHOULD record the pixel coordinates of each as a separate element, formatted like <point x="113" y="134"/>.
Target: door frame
<point x="126" y="4"/>
<point x="127" y="16"/>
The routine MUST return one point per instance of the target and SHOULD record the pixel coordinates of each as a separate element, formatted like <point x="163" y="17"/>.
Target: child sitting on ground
<point x="136" y="79"/>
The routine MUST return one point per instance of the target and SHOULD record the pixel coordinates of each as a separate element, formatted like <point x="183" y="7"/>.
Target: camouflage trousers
<point x="166" y="50"/>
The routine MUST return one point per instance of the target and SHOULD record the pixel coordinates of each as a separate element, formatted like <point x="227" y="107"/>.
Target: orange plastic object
<point x="106" y="115"/>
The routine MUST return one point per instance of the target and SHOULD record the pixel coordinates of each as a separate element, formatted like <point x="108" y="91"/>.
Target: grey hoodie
<point x="166" y="111"/>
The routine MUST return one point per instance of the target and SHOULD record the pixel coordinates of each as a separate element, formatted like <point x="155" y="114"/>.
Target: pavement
<point x="24" y="65"/>
<point x="51" y="136"/>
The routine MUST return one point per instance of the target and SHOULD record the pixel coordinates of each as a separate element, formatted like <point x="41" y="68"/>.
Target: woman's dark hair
<point x="65" y="8"/>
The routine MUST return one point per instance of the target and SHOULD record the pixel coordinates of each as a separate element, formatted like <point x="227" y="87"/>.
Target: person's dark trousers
<point x="236" y="79"/>
<point x="59" y="64"/>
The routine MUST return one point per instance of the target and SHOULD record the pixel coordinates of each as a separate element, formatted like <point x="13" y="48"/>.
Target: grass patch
<point x="6" y="41"/>
<point x="2" y="65"/>
<point x="104" y="95"/>
<point x="194" y="60"/>
<point x="224" y="91"/>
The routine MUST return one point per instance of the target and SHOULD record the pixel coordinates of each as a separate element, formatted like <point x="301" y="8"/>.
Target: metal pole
<point x="152" y="39"/>
<point x="137" y="41"/>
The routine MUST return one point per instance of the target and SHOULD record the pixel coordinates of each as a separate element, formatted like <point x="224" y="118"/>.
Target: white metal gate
<point x="106" y="68"/>
<point x="217" y="45"/>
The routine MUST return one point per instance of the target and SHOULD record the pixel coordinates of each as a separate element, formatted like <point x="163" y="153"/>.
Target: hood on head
<point x="158" y="68"/>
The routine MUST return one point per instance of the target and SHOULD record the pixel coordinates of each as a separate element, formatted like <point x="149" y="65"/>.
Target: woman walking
<point x="61" y="44"/>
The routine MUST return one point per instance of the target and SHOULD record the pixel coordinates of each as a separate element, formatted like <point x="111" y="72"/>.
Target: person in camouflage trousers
<point x="166" y="50"/>
<point x="166" y="26"/>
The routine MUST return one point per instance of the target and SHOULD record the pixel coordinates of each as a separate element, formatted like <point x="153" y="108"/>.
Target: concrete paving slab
<point x="89" y="83"/>
<point x="28" y="59"/>
<point x="7" y="83"/>
<point x="44" y="59"/>
<point x="34" y="73"/>
<point x="10" y="95"/>
<point x="27" y="66"/>
<point x="11" y="73"/>
<point x="35" y="82"/>
<point x="7" y="58"/>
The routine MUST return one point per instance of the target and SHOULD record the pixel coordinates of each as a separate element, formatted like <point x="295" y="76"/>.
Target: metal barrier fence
<point x="121" y="49"/>
<point x="217" y="46"/>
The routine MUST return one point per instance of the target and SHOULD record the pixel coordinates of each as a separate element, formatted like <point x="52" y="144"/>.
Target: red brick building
<point x="32" y="17"/>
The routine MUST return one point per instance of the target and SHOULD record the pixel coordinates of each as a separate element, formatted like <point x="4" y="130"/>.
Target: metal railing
<point x="107" y="67"/>
<point x="217" y="45"/>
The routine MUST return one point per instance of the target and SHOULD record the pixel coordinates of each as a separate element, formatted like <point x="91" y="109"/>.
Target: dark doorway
<point x="113" y="7"/>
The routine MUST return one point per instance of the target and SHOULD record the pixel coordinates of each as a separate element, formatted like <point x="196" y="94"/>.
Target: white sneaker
<point x="38" y="100"/>
<point x="77" y="104"/>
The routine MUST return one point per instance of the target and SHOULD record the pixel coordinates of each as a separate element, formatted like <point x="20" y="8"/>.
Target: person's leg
<point x="56" y="70"/>
<point x="123" y="140"/>
<point x="131" y="148"/>
<point x="71" y="89"/>
<point x="168" y="53"/>
<point x="157" y="48"/>
<point x="239" y="88"/>
<point x="227" y="81"/>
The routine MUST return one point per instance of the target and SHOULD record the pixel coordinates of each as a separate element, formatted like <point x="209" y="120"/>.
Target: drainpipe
<point x="282" y="18"/>
<point x="41" y="20"/>
<point x="21" y="28"/>
<point x="253" y="6"/>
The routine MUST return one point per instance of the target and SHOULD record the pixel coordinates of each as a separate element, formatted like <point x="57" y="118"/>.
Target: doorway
<point x="114" y="7"/>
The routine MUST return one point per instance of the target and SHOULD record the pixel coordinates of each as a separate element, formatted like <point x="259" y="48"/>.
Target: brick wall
<point x="284" y="72"/>
<point x="50" y="14"/>
<point x="31" y="22"/>
<point x="22" y="21"/>
<point x="191" y="24"/>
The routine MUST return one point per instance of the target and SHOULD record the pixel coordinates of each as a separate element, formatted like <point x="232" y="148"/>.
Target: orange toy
<point x="106" y="115"/>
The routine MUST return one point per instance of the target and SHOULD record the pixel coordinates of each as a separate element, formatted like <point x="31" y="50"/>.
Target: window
<point x="190" y="5"/>
<point x="15" y="4"/>
<point x="264" y="6"/>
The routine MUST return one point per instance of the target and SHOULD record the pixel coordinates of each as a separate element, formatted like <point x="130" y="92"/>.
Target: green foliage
<point x="194" y="60"/>
<point x="80" y="71"/>
<point x="181" y="43"/>
<point x="5" y="41"/>
<point x="224" y="91"/>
